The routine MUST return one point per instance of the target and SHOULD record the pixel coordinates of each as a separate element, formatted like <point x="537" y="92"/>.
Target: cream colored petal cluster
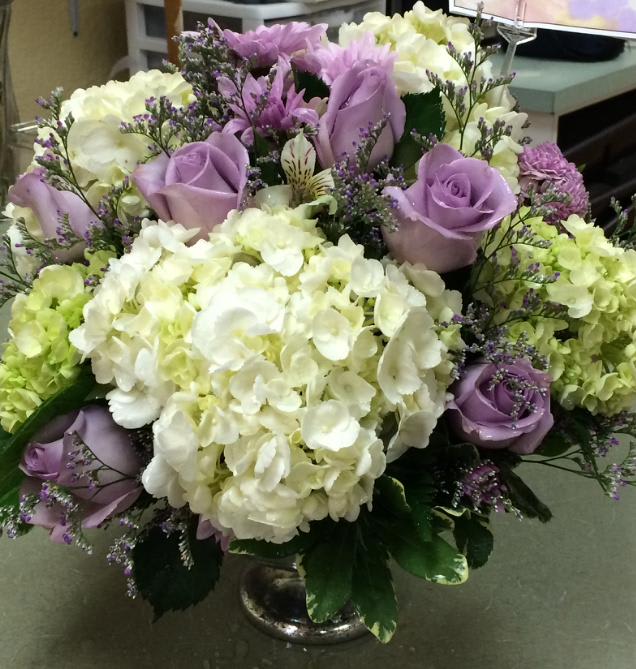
<point x="101" y="155"/>
<point x="268" y="359"/>
<point x="419" y="40"/>
<point x="592" y="349"/>
<point x="38" y="360"/>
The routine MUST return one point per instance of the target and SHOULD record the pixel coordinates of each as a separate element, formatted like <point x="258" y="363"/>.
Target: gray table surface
<point x="552" y="596"/>
<point x="560" y="87"/>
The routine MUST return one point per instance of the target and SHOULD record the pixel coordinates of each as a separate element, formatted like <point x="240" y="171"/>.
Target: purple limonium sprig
<point x="363" y="208"/>
<point x="120" y="552"/>
<point x="483" y="488"/>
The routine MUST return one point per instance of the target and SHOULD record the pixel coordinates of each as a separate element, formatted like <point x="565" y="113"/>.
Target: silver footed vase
<point x="273" y="598"/>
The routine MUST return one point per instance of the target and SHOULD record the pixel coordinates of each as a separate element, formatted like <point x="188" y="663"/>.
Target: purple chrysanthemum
<point x="265" y="45"/>
<point x="546" y="170"/>
<point x="266" y="104"/>
<point x="328" y="61"/>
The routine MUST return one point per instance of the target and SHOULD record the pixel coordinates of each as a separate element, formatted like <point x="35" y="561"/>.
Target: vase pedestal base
<point x="273" y="598"/>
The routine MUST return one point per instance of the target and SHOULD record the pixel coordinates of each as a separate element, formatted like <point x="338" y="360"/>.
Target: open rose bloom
<point x="306" y="298"/>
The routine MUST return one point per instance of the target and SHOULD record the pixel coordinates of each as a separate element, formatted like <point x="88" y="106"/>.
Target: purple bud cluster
<point x="120" y="552"/>
<point x="481" y="486"/>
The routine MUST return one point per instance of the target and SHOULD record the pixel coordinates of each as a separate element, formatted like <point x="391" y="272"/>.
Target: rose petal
<point x="150" y="179"/>
<point x="198" y="208"/>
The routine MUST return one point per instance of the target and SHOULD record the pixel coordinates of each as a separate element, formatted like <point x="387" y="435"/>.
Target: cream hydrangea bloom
<point x="268" y="358"/>
<point x="419" y="40"/>
<point x="592" y="349"/>
<point x="101" y="155"/>
<point x="38" y="361"/>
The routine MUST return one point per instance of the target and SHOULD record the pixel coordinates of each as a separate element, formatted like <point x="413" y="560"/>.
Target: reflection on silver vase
<point x="273" y="598"/>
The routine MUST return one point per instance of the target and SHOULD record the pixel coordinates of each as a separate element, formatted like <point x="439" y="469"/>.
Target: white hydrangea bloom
<point x="100" y="153"/>
<point x="268" y="359"/>
<point x="419" y="40"/>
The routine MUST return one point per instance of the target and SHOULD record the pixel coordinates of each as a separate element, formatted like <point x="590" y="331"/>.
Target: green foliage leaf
<point x="553" y="445"/>
<point x="434" y="560"/>
<point x="391" y="494"/>
<point x="372" y="592"/>
<point x="523" y="498"/>
<point x="328" y="570"/>
<point x="12" y="445"/>
<point x="313" y="86"/>
<point x="161" y="576"/>
<point x="474" y="540"/>
<point x="10" y="492"/>
<point x="425" y="115"/>
<point x="409" y="536"/>
<point x="271" y="171"/>
<point x="269" y="551"/>
<point x="420" y="494"/>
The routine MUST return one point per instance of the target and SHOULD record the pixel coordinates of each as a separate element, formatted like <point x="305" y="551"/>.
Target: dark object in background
<point x="560" y="45"/>
<point x="602" y="140"/>
<point x="431" y="4"/>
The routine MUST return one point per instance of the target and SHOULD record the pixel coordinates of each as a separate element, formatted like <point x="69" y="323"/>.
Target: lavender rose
<point x="360" y="98"/>
<point x="90" y="456"/>
<point x="199" y="184"/>
<point x="442" y="216"/>
<point x="502" y="407"/>
<point x="50" y="206"/>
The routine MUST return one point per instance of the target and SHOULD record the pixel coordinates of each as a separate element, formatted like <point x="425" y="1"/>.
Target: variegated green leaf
<point x="327" y="569"/>
<point x="372" y="592"/>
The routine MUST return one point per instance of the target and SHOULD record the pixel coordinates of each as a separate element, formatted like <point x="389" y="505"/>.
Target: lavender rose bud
<point x="90" y="456"/>
<point x="442" y="216"/>
<point x="199" y="184"/>
<point x="360" y="98"/>
<point x="502" y="407"/>
<point x="50" y="206"/>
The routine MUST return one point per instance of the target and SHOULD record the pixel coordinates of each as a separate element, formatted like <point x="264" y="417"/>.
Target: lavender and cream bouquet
<point x="306" y="298"/>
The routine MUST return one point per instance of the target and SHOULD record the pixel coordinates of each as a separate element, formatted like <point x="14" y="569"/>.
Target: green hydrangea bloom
<point x="38" y="360"/>
<point x="592" y="349"/>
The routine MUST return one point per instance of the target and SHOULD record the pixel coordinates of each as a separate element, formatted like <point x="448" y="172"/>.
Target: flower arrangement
<point x="311" y="299"/>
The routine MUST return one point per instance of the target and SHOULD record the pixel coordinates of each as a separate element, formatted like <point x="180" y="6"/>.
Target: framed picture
<point x="616" y="18"/>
